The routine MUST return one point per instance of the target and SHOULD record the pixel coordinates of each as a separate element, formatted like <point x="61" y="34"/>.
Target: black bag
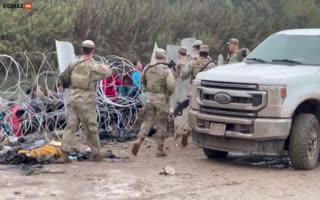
<point x="65" y="80"/>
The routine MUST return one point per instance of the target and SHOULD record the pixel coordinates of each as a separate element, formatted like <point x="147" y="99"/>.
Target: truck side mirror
<point x="242" y="54"/>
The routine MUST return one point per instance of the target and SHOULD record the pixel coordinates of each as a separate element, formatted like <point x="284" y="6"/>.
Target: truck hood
<point x="257" y="73"/>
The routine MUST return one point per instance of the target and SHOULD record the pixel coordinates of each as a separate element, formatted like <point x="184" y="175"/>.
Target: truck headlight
<point x="276" y="93"/>
<point x="195" y="93"/>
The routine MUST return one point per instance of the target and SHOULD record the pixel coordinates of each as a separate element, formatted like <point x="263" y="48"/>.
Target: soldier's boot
<point x="160" y="151"/>
<point x="184" y="140"/>
<point x="136" y="146"/>
<point x="64" y="158"/>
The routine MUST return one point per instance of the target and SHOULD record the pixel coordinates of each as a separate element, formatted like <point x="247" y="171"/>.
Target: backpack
<point x="65" y="78"/>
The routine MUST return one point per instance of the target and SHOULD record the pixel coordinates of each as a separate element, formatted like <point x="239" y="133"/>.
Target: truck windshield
<point x="290" y="49"/>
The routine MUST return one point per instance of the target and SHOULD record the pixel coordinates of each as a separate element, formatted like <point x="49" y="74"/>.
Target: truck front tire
<point x="304" y="142"/>
<point x="210" y="153"/>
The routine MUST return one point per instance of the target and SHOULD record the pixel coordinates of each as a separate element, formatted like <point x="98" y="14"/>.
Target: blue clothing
<point x="136" y="79"/>
<point x="6" y="128"/>
<point x="124" y="90"/>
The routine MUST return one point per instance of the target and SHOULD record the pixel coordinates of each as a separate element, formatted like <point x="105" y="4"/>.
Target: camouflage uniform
<point x="233" y="58"/>
<point x="82" y="102"/>
<point x="193" y="68"/>
<point x="195" y="55"/>
<point x="159" y="83"/>
<point x="179" y="68"/>
<point x="182" y="61"/>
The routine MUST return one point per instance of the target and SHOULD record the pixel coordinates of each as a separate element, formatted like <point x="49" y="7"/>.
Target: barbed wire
<point x="43" y="107"/>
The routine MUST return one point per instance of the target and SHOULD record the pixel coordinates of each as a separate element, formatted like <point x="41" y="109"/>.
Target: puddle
<point x="281" y="162"/>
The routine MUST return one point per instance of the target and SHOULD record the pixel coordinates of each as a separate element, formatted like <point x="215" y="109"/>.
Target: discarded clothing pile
<point x="39" y="152"/>
<point x="47" y="150"/>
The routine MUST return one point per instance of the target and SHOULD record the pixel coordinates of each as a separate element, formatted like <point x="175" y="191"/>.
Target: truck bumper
<point x="249" y="135"/>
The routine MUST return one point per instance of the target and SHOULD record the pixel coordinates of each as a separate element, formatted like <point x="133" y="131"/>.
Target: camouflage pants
<point x="86" y="114"/>
<point x="156" y="116"/>
<point x="182" y="126"/>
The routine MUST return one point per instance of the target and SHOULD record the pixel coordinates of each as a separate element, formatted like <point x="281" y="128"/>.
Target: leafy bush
<point x="129" y="28"/>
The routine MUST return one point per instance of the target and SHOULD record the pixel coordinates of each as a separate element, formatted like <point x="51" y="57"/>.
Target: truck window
<point x="301" y="48"/>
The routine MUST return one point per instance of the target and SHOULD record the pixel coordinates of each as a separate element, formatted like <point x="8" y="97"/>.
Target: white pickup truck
<point x="268" y="104"/>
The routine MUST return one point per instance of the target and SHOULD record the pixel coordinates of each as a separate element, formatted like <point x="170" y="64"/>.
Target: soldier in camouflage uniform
<point x="81" y="107"/>
<point x="158" y="84"/>
<point x="182" y="56"/>
<point x="196" y="49"/>
<point x="182" y="62"/>
<point x="202" y="63"/>
<point x="233" y="46"/>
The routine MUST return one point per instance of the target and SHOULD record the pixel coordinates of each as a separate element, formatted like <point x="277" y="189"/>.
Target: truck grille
<point x="231" y="112"/>
<point x="225" y="85"/>
<point x="231" y="99"/>
<point x="255" y="100"/>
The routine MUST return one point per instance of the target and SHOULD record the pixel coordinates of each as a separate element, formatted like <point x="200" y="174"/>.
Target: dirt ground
<point x="237" y="177"/>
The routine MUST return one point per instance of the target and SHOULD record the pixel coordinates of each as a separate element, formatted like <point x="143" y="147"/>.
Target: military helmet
<point x="183" y="50"/>
<point x="88" y="44"/>
<point x="161" y="54"/>
<point x="233" y="41"/>
<point x="204" y="48"/>
<point x="197" y="43"/>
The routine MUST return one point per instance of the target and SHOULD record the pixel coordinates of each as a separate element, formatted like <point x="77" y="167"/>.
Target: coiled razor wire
<point x="45" y="114"/>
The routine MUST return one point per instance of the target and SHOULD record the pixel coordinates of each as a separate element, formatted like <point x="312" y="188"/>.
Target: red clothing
<point x="109" y="87"/>
<point x="16" y="121"/>
<point x="125" y="81"/>
<point x="117" y="81"/>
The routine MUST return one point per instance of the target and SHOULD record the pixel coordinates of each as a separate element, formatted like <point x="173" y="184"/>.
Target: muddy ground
<point x="237" y="177"/>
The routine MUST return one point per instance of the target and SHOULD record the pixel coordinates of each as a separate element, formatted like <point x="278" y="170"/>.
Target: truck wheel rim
<point x="312" y="143"/>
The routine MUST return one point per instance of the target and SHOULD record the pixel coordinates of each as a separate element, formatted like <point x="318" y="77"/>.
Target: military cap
<point x="204" y="48"/>
<point x="88" y="44"/>
<point x="233" y="41"/>
<point x="161" y="54"/>
<point x="183" y="50"/>
<point x="197" y="43"/>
